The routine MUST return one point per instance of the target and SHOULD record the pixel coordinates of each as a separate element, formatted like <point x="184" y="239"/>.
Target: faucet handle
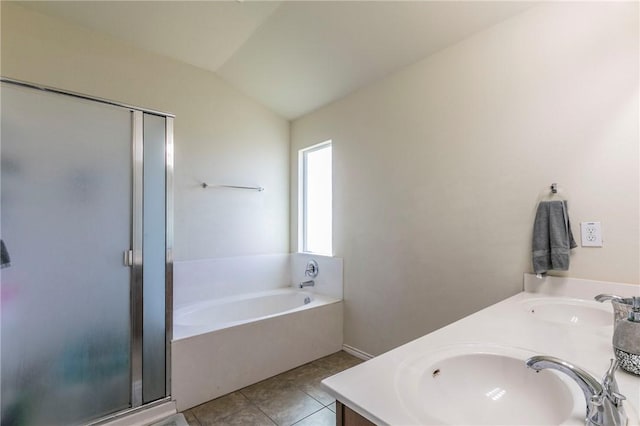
<point x="618" y="397"/>
<point x="610" y="385"/>
<point x="595" y="408"/>
<point x="609" y="378"/>
<point x="312" y="269"/>
<point x="596" y="400"/>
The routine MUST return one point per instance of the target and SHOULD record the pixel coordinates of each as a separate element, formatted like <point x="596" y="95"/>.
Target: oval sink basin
<point x="475" y="385"/>
<point x="573" y="312"/>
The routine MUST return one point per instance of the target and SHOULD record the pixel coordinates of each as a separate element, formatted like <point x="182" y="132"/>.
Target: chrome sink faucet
<point x="604" y="402"/>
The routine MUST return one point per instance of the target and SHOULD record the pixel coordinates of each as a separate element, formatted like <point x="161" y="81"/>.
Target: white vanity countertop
<point x="371" y="388"/>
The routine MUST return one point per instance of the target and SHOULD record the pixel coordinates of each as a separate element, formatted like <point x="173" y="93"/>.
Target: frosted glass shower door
<point x="66" y="208"/>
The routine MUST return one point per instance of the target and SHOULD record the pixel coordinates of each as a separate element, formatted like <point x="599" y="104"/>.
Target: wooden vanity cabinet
<point x="345" y="416"/>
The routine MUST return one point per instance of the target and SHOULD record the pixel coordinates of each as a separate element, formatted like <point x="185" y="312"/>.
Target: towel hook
<point x="554" y="188"/>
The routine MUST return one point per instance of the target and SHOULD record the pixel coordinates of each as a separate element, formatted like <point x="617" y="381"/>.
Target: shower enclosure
<point x="85" y="286"/>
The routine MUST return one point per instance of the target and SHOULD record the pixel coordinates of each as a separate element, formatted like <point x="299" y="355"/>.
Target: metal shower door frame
<point x="137" y="114"/>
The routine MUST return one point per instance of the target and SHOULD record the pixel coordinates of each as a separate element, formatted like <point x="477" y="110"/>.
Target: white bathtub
<point x="222" y="345"/>
<point x="212" y="315"/>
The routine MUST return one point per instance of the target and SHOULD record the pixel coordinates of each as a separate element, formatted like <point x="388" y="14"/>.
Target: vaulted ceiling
<point x="292" y="56"/>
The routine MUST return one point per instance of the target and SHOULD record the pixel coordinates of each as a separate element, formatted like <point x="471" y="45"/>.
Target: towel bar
<point x="253" y="188"/>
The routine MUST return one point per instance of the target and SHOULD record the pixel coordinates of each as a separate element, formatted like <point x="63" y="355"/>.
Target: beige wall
<point x="221" y="136"/>
<point x="438" y="168"/>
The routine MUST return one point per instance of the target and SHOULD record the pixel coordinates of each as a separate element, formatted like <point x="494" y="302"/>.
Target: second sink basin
<point x="572" y="312"/>
<point x="486" y="385"/>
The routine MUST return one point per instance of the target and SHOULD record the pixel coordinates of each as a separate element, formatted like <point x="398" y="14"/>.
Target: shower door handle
<point x="128" y="258"/>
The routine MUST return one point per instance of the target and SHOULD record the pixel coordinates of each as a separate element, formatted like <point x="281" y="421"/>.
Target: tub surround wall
<point x="197" y="280"/>
<point x="205" y="279"/>
<point x="437" y="168"/>
<point x="329" y="279"/>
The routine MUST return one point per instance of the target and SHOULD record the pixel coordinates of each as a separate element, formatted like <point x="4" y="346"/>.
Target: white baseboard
<point x="356" y="352"/>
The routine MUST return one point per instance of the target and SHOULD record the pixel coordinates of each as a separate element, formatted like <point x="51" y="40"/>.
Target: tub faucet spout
<point x="604" y="403"/>
<point x="309" y="283"/>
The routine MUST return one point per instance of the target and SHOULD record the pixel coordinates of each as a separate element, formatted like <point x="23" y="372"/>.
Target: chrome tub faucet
<point x="312" y="269"/>
<point x="309" y="283"/>
<point x="604" y="402"/>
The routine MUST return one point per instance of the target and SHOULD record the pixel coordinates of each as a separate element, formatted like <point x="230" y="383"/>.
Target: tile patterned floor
<point x="294" y="397"/>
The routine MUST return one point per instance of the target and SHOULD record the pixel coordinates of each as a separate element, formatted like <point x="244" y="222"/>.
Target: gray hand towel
<point x="552" y="237"/>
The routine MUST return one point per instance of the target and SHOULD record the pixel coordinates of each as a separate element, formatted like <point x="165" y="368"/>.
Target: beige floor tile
<point x="304" y="374"/>
<point x="307" y="378"/>
<point x="210" y="412"/>
<point x="283" y="400"/>
<point x="324" y="417"/>
<point x="337" y="362"/>
<point x="191" y="418"/>
<point x="249" y="416"/>
<point x="268" y="389"/>
<point x="287" y="407"/>
<point x="316" y="391"/>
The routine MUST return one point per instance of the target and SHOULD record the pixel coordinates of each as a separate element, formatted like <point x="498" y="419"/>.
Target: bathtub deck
<point x="293" y="397"/>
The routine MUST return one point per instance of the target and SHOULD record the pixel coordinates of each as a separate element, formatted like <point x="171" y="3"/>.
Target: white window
<point x="315" y="219"/>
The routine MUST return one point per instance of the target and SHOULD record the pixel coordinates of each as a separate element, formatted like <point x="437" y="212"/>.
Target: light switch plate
<point x="591" y="234"/>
